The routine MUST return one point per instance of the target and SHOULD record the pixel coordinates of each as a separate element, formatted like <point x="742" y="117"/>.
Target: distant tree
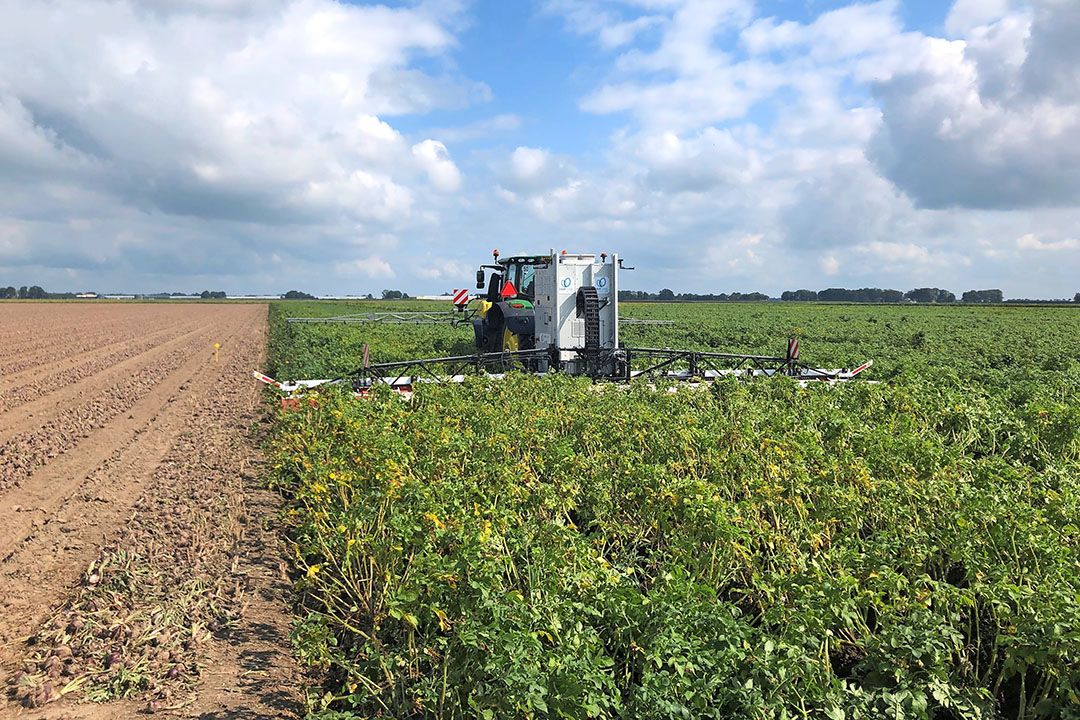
<point x="633" y="296"/>
<point x="983" y="296"/>
<point x="867" y="295"/>
<point x="799" y="296"/>
<point x="930" y="295"/>
<point x="36" y="292"/>
<point x="23" y="293"/>
<point x="392" y="295"/>
<point x="369" y="296"/>
<point x="665" y="295"/>
<point x="297" y="295"/>
<point x="205" y="295"/>
<point x="1076" y="297"/>
<point x="10" y="293"/>
<point x="922" y="295"/>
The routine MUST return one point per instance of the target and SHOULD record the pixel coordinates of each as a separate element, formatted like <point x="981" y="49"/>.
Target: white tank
<point x="558" y="319"/>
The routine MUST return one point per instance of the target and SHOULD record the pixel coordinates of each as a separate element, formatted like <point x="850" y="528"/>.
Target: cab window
<point x="526" y="281"/>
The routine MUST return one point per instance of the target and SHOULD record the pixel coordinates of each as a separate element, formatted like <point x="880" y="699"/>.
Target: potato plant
<point x="545" y="547"/>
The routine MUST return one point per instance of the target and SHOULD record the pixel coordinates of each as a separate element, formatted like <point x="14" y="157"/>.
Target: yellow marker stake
<point x="216" y="346"/>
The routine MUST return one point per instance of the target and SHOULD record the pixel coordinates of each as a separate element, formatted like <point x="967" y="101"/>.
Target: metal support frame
<point x="433" y="317"/>
<point x="637" y="321"/>
<point x="654" y="363"/>
<point x="436" y="317"/>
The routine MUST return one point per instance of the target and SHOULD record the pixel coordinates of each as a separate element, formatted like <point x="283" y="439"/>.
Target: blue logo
<point x="601" y="282"/>
<point x="566" y="282"/>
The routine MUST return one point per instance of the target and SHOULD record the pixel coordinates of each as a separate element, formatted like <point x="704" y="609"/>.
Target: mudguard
<point x="478" y="332"/>
<point x="520" y="321"/>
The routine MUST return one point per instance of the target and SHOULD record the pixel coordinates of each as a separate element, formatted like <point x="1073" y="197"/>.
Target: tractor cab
<point x="513" y="278"/>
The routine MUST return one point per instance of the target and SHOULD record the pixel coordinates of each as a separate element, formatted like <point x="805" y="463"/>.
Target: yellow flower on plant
<point x="312" y="570"/>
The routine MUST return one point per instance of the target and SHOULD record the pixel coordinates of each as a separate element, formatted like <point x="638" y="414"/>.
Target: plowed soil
<point x="129" y="451"/>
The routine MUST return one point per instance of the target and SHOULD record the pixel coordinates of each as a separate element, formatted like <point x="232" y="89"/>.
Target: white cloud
<point x="371" y="267"/>
<point x="481" y="129"/>
<point x="264" y="141"/>
<point x="967" y="15"/>
<point x="862" y="149"/>
<point x="842" y="33"/>
<point x="1031" y="241"/>
<point x="896" y="252"/>
<point x="991" y="123"/>
<point x="528" y="163"/>
<point x="275" y="115"/>
<point x="435" y="161"/>
<point x="586" y="17"/>
<point x="442" y="269"/>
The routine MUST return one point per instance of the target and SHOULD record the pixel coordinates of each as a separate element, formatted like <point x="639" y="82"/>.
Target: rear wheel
<point x="509" y="341"/>
<point x="512" y="343"/>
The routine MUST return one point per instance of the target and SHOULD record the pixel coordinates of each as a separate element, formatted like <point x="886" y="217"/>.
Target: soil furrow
<point x="101" y="479"/>
<point x="20" y="387"/>
<point x="32" y="451"/>
<point x="52" y="344"/>
<point x="34" y="413"/>
<point x="167" y="490"/>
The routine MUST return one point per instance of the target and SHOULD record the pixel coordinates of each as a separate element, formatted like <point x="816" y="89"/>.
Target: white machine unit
<point x="576" y="304"/>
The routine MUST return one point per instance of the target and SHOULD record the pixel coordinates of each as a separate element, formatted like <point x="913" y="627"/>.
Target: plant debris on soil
<point x="173" y="600"/>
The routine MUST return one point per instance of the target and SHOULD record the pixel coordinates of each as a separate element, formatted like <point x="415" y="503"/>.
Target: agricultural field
<point x="131" y="531"/>
<point x="543" y="547"/>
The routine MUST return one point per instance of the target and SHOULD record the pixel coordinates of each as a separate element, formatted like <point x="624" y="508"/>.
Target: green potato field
<point x="545" y="547"/>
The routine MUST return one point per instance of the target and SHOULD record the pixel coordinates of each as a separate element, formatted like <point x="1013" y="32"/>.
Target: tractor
<point x="554" y="313"/>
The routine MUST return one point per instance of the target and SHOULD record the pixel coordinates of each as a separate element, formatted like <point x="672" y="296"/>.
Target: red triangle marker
<point x="508" y="290"/>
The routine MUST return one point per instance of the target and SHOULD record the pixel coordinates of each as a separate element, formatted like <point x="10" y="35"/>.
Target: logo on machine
<point x="567" y="282"/>
<point x="601" y="285"/>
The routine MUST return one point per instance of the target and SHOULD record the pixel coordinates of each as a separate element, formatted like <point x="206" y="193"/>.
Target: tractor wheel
<point x="510" y="341"/>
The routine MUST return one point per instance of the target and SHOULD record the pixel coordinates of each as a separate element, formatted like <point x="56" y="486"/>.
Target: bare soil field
<point x="139" y="563"/>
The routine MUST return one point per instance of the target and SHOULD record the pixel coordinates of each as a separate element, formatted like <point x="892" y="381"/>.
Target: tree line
<point x="879" y="295"/>
<point x="667" y="295"/>
<point x="858" y="295"/>
<point x="34" y="292"/>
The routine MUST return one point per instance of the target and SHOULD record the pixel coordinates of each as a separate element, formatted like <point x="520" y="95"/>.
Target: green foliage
<point x="544" y="547"/>
<point x="980" y="343"/>
<point x="309" y="351"/>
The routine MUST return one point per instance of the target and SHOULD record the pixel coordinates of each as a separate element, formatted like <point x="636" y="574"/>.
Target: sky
<point x="715" y="145"/>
